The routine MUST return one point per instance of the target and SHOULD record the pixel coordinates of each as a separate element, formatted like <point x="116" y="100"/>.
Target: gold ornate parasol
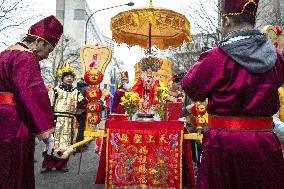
<point x="146" y="27"/>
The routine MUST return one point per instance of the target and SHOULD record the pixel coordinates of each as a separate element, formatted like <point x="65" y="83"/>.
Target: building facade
<point x="74" y="15"/>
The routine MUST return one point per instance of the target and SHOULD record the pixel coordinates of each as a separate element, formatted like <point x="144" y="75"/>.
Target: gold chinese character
<point x="176" y="155"/>
<point x="143" y="150"/>
<point x="137" y="138"/>
<point x="124" y="138"/>
<point x="142" y="159"/>
<point x="142" y="168"/>
<point x="162" y="139"/>
<point x="150" y="138"/>
<point x="142" y="179"/>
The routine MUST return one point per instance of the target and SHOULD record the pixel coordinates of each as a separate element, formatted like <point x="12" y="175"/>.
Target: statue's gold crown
<point x="151" y="62"/>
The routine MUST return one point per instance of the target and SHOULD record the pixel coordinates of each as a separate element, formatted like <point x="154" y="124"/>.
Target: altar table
<point x="168" y="130"/>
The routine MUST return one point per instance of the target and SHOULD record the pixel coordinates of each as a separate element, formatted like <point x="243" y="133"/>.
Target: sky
<point x="48" y="7"/>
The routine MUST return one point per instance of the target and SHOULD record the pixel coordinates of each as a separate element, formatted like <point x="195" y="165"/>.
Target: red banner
<point x="144" y="155"/>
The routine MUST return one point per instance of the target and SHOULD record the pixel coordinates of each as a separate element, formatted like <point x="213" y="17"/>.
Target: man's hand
<point x="45" y="141"/>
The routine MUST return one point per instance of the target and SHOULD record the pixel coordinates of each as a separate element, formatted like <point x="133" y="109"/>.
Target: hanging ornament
<point x="93" y="76"/>
<point x="94" y="107"/>
<point x="93" y="93"/>
<point x="93" y="120"/>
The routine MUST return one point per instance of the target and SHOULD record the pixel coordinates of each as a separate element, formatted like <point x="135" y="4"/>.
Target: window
<point x="60" y="14"/>
<point x="79" y="14"/>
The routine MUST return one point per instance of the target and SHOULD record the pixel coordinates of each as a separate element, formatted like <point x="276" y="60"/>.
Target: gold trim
<point x="104" y="56"/>
<point x="124" y="28"/>
<point x="95" y="134"/>
<point x="181" y="145"/>
<point x="193" y="136"/>
<point x="42" y="38"/>
<point x="106" y="177"/>
<point x="19" y="48"/>
<point x="235" y="14"/>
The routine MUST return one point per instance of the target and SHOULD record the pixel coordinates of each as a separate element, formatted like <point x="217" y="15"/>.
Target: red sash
<point x="7" y="98"/>
<point x="240" y="123"/>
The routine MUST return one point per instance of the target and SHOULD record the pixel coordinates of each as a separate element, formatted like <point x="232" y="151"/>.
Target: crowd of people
<point x="239" y="79"/>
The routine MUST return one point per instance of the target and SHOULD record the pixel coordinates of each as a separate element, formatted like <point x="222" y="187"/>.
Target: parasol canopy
<point x="146" y="27"/>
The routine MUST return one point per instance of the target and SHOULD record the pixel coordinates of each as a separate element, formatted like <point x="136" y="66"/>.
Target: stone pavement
<point x="71" y="180"/>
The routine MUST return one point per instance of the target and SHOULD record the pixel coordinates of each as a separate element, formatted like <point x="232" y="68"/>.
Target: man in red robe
<point x="123" y="86"/>
<point x="25" y="110"/>
<point x="240" y="78"/>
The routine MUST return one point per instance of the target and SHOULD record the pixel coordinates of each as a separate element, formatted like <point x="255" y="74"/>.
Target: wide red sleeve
<point x="138" y="87"/>
<point x="31" y="95"/>
<point x="204" y="75"/>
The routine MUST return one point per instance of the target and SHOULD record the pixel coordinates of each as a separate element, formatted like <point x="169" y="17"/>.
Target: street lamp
<point x="128" y="4"/>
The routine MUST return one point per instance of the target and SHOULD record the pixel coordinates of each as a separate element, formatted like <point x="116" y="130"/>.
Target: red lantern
<point x="94" y="119"/>
<point x="93" y="93"/>
<point x="93" y="76"/>
<point x="94" y="107"/>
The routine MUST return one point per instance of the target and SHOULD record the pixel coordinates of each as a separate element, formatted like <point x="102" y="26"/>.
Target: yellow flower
<point x="162" y="84"/>
<point x="131" y="102"/>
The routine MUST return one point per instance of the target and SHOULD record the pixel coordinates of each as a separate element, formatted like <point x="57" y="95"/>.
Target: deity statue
<point x="146" y="86"/>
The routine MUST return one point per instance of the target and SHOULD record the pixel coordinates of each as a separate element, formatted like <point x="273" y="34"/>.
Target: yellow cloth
<point x="281" y="99"/>
<point x="64" y="105"/>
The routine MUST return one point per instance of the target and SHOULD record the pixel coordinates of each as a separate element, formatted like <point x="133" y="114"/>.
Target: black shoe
<point x="64" y="169"/>
<point x="45" y="170"/>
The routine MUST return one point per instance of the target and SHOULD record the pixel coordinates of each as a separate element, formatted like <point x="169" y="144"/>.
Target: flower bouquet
<point x="162" y="95"/>
<point x="131" y="101"/>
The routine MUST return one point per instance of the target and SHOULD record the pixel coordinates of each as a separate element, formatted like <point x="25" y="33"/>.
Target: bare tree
<point x="14" y="14"/>
<point x="66" y="51"/>
<point x="204" y="17"/>
<point x="270" y="13"/>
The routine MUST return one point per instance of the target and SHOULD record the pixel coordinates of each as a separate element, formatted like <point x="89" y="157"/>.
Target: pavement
<point x="72" y="180"/>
